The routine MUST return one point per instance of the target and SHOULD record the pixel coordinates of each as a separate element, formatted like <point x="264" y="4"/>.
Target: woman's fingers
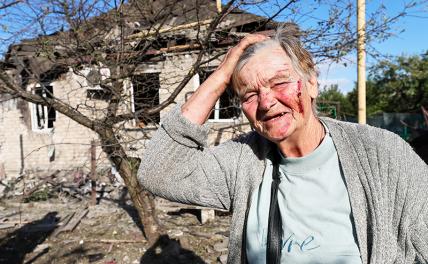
<point x="231" y="59"/>
<point x="249" y="40"/>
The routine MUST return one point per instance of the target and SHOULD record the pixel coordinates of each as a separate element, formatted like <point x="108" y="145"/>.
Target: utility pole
<point x="361" y="50"/>
<point x="218" y="6"/>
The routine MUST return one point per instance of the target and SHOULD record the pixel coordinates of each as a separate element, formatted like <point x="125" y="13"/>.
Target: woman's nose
<point x="266" y="99"/>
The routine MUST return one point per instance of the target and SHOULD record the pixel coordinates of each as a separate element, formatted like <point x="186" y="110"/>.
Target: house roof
<point x="168" y="19"/>
<point x="182" y="12"/>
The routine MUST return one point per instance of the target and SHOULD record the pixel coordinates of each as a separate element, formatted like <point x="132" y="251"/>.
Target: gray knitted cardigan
<point x="387" y="182"/>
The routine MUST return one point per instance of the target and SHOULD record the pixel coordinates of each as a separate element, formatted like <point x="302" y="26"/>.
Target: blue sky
<point x="410" y="36"/>
<point x="409" y="33"/>
<point x="413" y="40"/>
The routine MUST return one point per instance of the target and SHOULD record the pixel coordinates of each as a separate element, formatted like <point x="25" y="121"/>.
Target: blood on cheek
<point x="292" y="97"/>
<point x="299" y="95"/>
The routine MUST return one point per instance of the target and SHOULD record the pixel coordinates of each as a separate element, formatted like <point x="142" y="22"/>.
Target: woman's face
<point x="275" y="99"/>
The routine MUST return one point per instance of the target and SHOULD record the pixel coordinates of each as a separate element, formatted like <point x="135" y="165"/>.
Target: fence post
<point x="93" y="174"/>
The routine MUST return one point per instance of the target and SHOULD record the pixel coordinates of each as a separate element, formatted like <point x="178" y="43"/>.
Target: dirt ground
<point x="107" y="234"/>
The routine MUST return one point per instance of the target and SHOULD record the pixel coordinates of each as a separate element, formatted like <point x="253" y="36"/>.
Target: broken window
<point x="145" y="88"/>
<point x="96" y="89"/>
<point x="227" y="107"/>
<point x="43" y="117"/>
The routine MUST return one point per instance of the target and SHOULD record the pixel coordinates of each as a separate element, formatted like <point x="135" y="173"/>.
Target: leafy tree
<point x="333" y="96"/>
<point x="400" y="85"/>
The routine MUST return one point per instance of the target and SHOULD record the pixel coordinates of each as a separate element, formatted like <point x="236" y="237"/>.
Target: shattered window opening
<point x="145" y="96"/>
<point x="43" y="117"/>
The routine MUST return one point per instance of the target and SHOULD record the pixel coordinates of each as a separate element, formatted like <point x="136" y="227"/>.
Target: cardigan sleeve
<point x="417" y="170"/>
<point x="413" y="178"/>
<point x="178" y="165"/>
<point x="420" y="235"/>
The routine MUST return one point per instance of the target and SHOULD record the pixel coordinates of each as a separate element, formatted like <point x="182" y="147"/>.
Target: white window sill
<point x="43" y="131"/>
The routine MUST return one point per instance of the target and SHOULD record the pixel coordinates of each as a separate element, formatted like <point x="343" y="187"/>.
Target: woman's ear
<point x="312" y="87"/>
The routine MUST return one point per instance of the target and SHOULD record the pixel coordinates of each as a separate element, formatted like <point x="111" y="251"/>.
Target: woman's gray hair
<point x="287" y="36"/>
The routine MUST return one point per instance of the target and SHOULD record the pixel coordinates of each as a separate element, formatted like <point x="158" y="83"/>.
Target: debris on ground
<point x="73" y="232"/>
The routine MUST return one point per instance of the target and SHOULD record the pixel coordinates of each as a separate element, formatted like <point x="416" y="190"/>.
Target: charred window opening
<point x="145" y="96"/>
<point x="43" y="116"/>
<point x="228" y="106"/>
<point x="98" y="94"/>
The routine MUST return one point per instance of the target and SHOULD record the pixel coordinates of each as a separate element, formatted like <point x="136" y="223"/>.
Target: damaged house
<point x="137" y="61"/>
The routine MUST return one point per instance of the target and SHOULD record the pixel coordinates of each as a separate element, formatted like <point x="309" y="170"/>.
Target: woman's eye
<point x="282" y="84"/>
<point x="249" y="97"/>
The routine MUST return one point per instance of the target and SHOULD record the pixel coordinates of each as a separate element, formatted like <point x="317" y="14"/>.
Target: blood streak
<point x="299" y="94"/>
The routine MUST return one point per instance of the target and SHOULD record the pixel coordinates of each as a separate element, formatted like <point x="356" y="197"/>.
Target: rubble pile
<point x="45" y="217"/>
<point x="76" y="184"/>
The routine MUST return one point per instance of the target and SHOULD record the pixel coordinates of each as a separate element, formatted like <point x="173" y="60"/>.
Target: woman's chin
<point x="276" y="137"/>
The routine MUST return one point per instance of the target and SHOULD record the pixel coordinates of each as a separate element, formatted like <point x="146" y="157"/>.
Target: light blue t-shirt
<point x="315" y="210"/>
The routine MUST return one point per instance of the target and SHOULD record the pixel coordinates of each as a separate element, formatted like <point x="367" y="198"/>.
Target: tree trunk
<point x="142" y="200"/>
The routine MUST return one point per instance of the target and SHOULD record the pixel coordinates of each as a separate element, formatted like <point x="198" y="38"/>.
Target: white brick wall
<point x="71" y="140"/>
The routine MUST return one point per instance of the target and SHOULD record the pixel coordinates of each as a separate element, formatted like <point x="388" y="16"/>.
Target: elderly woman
<point x="301" y="189"/>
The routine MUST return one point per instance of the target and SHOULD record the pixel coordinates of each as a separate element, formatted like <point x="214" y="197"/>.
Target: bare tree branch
<point x="7" y="5"/>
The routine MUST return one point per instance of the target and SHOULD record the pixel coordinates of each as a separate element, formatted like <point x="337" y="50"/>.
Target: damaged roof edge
<point x="43" y="54"/>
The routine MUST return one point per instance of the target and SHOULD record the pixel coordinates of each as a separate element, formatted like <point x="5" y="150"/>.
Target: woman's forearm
<point x="198" y="108"/>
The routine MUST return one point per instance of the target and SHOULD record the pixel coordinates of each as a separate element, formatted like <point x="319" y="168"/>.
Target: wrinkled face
<point x="276" y="101"/>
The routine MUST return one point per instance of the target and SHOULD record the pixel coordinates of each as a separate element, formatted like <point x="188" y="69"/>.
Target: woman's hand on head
<point x="229" y="62"/>
<point x="198" y="108"/>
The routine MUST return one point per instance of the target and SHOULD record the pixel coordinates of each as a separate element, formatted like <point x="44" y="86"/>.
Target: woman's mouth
<point x="274" y="117"/>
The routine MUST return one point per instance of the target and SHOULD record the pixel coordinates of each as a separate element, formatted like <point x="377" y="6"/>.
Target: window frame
<point x="217" y="109"/>
<point x="45" y="109"/>
<point x="130" y="86"/>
